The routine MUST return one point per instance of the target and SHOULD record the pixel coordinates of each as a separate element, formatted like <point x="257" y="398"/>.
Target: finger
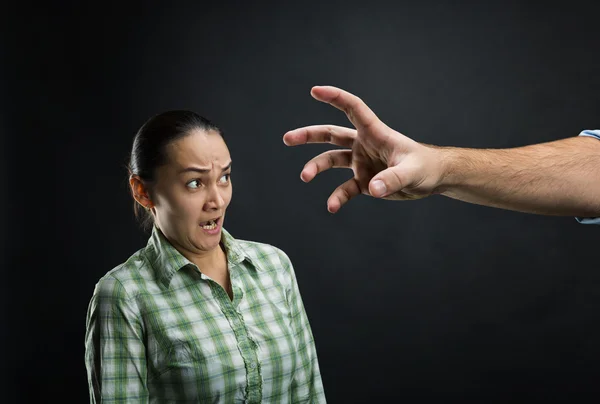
<point x="355" y="109"/>
<point x="336" y="135"/>
<point x="342" y="194"/>
<point x="325" y="161"/>
<point x="388" y="181"/>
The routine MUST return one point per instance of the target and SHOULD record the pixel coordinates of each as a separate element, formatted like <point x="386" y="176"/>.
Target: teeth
<point x="210" y="225"/>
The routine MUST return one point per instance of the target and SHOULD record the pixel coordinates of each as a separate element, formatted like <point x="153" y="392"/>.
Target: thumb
<point x="387" y="182"/>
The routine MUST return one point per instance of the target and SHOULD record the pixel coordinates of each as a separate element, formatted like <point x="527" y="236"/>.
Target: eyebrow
<point x="203" y="170"/>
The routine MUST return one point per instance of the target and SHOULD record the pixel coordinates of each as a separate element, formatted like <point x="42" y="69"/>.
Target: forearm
<point x="556" y="178"/>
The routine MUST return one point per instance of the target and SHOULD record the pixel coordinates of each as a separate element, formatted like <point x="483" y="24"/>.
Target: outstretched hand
<point x="386" y="164"/>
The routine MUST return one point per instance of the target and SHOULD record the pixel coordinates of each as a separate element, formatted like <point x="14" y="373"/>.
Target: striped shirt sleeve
<point x="114" y="350"/>
<point x="590" y="220"/>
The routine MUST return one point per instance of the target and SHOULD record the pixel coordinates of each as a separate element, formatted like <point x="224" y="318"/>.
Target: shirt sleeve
<point x="307" y="386"/>
<point x="590" y="220"/>
<point x="115" y="356"/>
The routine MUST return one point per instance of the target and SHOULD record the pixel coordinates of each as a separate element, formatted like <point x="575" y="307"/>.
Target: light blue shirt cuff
<point x="590" y="220"/>
<point x="591" y="133"/>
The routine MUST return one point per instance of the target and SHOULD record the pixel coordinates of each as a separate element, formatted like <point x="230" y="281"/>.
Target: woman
<point x="196" y="315"/>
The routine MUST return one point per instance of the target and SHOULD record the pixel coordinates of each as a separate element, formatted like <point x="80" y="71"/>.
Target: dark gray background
<point x="412" y="301"/>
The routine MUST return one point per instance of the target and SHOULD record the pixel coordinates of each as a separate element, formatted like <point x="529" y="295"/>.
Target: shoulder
<point x="122" y="282"/>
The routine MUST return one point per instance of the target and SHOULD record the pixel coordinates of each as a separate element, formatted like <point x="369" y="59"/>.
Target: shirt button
<point x="253" y="365"/>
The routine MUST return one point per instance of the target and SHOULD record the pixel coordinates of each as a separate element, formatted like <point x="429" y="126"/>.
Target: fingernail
<point x="379" y="188"/>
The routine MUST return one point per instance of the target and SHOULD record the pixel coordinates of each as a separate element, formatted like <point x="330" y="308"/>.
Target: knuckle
<point x="398" y="178"/>
<point x="328" y="135"/>
<point x="331" y="159"/>
<point x="345" y="194"/>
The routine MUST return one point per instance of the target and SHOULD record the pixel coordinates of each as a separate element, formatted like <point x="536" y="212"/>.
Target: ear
<point x="140" y="191"/>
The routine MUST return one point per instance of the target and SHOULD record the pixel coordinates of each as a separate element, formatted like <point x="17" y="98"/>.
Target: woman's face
<point x="192" y="192"/>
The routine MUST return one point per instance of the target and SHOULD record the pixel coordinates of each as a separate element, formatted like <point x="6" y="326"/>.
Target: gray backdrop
<point x="409" y="302"/>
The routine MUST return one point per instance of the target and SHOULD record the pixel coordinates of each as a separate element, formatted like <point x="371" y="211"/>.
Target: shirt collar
<point x="166" y="260"/>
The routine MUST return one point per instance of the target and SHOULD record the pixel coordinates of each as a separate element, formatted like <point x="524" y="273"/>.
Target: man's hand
<point x="386" y="164"/>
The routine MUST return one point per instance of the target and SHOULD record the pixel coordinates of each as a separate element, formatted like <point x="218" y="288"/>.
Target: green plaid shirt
<point x="160" y="331"/>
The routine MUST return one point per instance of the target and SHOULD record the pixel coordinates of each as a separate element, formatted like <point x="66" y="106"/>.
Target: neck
<point x="206" y="260"/>
<point x="209" y="259"/>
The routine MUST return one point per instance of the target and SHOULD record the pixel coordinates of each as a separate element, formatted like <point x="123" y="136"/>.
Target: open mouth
<point x="210" y="224"/>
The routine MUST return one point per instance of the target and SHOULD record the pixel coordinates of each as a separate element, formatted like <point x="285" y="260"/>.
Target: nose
<point x="214" y="200"/>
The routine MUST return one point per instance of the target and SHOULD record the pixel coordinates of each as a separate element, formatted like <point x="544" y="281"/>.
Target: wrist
<point x="447" y="171"/>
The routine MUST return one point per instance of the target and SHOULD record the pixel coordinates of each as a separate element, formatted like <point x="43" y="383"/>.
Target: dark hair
<point x="150" y="143"/>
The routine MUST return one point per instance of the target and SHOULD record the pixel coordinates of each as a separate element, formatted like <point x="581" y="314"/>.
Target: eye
<point x="194" y="184"/>
<point x="224" y="178"/>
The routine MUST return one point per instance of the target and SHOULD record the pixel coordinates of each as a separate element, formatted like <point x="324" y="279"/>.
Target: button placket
<point x="244" y="343"/>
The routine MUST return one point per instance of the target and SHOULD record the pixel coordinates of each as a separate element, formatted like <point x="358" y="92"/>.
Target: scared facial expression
<point x="192" y="192"/>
